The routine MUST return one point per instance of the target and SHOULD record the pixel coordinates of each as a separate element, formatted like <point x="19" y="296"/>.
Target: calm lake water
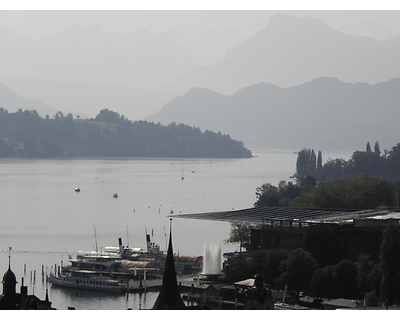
<point x="43" y="219"/>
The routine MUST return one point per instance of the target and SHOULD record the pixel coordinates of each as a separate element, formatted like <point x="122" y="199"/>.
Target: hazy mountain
<point x="11" y="102"/>
<point x="323" y="113"/>
<point x="87" y="69"/>
<point x="290" y="51"/>
<point x="96" y="56"/>
<point x="209" y="46"/>
<point x="89" y="99"/>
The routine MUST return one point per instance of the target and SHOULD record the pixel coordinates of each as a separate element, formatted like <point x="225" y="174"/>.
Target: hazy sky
<point x="42" y="22"/>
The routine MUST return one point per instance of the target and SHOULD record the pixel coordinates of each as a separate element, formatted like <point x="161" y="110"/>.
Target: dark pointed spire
<point x="169" y="297"/>
<point x="9" y="279"/>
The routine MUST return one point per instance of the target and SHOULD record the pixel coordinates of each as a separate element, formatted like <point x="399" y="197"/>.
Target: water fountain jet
<point x="211" y="262"/>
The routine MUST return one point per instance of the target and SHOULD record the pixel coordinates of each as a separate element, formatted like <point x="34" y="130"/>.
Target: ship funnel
<point x="121" y="249"/>
<point x="148" y="241"/>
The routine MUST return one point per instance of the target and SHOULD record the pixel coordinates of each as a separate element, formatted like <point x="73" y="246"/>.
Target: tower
<point x="9" y="298"/>
<point x="169" y="296"/>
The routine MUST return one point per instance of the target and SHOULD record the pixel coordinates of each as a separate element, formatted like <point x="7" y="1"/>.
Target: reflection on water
<point x="81" y="299"/>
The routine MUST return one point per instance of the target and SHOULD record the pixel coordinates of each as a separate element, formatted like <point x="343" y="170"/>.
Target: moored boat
<point x="92" y="271"/>
<point x="85" y="279"/>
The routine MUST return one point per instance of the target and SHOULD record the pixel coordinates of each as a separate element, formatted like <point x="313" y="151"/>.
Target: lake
<point x="43" y="219"/>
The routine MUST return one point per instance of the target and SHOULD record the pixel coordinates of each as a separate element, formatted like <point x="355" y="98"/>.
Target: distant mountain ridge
<point x="290" y="51"/>
<point x="323" y="113"/>
<point x="83" y="70"/>
<point x="86" y="99"/>
<point x="93" y="55"/>
<point x="11" y="101"/>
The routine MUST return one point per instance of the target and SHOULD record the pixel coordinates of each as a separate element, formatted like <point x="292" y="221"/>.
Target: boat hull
<point x="89" y="284"/>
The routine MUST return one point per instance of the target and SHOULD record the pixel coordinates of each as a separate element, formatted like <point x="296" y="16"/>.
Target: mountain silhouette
<point x="11" y="102"/>
<point x="322" y="113"/>
<point x="290" y="51"/>
<point x="94" y="55"/>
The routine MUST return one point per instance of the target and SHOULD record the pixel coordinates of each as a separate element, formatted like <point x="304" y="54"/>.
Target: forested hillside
<point x="26" y="134"/>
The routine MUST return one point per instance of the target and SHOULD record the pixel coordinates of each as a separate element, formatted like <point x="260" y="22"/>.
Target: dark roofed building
<point x="11" y="300"/>
<point x="285" y="227"/>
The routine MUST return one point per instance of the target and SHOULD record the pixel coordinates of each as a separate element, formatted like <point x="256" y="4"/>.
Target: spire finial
<point x="9" y="257"/>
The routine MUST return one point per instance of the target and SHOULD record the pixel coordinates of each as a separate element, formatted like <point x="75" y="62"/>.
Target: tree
<point x="377" y="149"/>
<point x="297" y="270"/>
<point x="319" y="160"/>
<point x="344" y="279"/>
<point x="281" y="196"/>
<point x="307" y="183"/>
<point x="321" y="284"/>
<point x="240" y="233"/>
<point x="368" y="148"/>
<point x="271" y="267"/>
<point x="239" y="268"/>
<point x="306" y="163"/>
<point x="349" y="193"/>
<point x="5" y="149"/>
<point x="108" y="116"/>
<point x="368" y="272"/>
<point x="390" y="264"/>
<point x="370" y="162"/>
<point x="287" y="192"/>
<point x="267" y="195"/>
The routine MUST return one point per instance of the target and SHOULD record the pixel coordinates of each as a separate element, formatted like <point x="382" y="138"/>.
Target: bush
<point x="371" y="299"/>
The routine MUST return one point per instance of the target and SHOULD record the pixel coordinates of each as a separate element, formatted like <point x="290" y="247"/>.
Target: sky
<point x="43" y="18"/>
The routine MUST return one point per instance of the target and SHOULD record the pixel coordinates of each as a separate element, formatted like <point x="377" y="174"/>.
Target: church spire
<point x="169" y="297"/>
<point x="9" y="279"/>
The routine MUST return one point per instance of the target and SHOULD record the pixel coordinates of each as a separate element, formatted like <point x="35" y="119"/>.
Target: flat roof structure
<point x="285" y="227"/>
<point x="265" y="215"/>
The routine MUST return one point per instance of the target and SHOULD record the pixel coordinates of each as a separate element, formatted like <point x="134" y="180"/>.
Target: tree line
<point x="372" y="163"/>
<point x="26" y="134"/>
<point x="360" y="192"/>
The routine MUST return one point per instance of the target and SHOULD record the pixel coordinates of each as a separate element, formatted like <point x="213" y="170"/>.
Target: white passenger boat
<point x="85" y="279"/>
<point x="92" y="271"/>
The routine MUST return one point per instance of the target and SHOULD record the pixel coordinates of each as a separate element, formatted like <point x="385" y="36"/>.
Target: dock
<point x="151" y="285"/>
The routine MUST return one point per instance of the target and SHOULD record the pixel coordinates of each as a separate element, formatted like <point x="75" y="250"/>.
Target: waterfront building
<point x="285" y="227"/>
<point x="11" y="300"/>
